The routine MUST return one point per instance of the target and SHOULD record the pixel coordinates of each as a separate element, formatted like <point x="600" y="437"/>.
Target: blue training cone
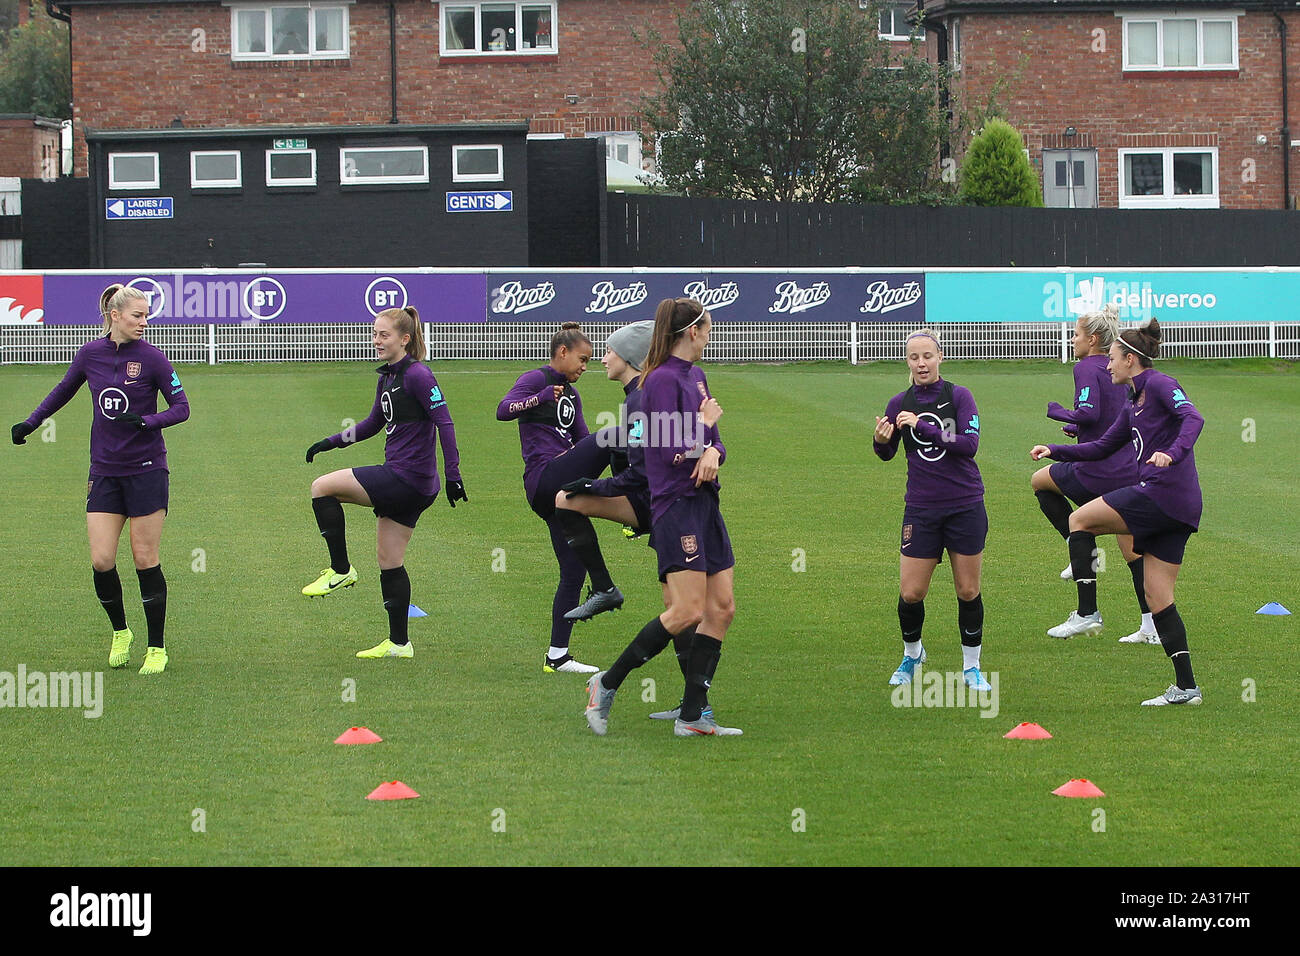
<point x="414" y="611"/>
<point x="1272" y="607"/>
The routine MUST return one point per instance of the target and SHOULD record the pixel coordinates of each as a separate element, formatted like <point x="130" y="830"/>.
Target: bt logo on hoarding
<point x="385" y="293"/>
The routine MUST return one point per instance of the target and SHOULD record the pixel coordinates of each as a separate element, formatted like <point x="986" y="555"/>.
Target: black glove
<point x="131" y="418"/>
<point x="581" y="486"/>
<point x="20" y="432"/>
<point x="456" y="492"/>
<point x="316" y="449"/>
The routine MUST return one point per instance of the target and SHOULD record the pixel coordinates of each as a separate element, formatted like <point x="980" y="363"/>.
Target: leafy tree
<point x="34" y="70"/>
<point x="996" y="171"/>
<point x="794" y="100"/>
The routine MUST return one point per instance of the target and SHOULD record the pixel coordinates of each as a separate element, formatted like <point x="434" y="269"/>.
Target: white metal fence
<point x="730" y="342"/>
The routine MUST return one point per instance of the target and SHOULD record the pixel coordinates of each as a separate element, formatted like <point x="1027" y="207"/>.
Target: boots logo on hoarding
<point x="718" y="297"/>
<point x="512" y="298"/>
<point x="791" y="299"/>
<point x="610" y="299"/>
<point x="882" y="298"/>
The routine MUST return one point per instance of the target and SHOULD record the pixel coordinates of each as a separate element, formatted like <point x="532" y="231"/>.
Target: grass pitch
<point x="829" y="770"/>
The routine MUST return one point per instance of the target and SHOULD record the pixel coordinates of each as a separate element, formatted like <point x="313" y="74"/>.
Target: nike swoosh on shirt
<point x="944" y="405"/>
<point x="689" y="560"/>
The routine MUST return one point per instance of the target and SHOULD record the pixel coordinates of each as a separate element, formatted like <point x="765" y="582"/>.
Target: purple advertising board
<point x="731" y="297"/>
<point x="253" y="298"/>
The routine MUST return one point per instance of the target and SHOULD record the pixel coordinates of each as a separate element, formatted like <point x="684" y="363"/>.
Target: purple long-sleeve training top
<point x="675" y="438"/>
<point x="409" y="406"/>
<point x="941" y="473"/>
<point x="122" y="378"/>
<point x="1098" y="402"/>
<point x="1158" y="417"/>
<point x="547" y="428"/>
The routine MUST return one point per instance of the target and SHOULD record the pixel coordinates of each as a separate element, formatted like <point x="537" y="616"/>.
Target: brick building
<point x="567" y="67"/>
<point x="29" y="146"/>
<point x="1137" y="103"/>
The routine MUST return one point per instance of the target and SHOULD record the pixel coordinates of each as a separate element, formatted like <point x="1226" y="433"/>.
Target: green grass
<point x="242" y="722"/>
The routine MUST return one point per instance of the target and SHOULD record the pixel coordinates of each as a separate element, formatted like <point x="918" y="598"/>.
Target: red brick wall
<point x="134" y="68"/>
<point x="1068" y="83"/>
<point x="23" y="148"/>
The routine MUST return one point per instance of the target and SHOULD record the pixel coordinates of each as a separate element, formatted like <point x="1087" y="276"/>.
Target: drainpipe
<point x="1286" y="120"/>
<point x="57" y="14"/>
<point x="940" y="32"/>
<point x="392" y="57"/>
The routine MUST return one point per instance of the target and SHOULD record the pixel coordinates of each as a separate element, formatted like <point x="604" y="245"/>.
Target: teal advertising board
<point x="1056" y="296"/>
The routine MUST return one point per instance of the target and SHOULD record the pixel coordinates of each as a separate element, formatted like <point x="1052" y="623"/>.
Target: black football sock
<point x="108" y="588"/>
<point x="1139" y="588"/>
<point x="329" y="518"/>
<point x="911" y="618"/>
<point x="395" y="586"/>
<point x="682" y="648"/>
<point x="1173" y="638"/>
<point x="1057" y="510"/>
<point x="580" y="533"/>
<point x="654" y="637"/>
<point x="1083" y="556"/>
<point x="970" y="619"/>
<point x="705" y="652"/>
<point x="153" y="594"/>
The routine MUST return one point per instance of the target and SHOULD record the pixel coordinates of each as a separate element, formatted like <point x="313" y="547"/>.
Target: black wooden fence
<point x="677" y="231"/>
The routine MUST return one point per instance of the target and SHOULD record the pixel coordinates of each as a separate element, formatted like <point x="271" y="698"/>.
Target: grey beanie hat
<point x="632" y="342"/>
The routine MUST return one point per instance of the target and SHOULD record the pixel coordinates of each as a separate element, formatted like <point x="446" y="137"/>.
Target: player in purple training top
<point x="1098" y="402"/>
<point x="624" y="497"/>
<point x="551" y="433"/>
<point x="1163" y="508"/>
<point x="409" y="407"/>
<point x="683" y="452"/>
<point x="129" y="478"/>
<point x="943" y="509"/>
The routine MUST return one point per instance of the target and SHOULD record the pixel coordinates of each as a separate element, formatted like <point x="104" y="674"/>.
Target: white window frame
<point x="346" y="180"/>
<point x="269" y="55"/>
<point x="478" y="5"/>
<point x="894" y="9"/>
<point x="217" y="184"/>
<point x="1159" y="18"/>
<point x="113" y="184"/>
<point x="954" y="43"/>
<point x="279" y="183"/>
<point x="1170" y="199"/>
<point x="458" y="177"/>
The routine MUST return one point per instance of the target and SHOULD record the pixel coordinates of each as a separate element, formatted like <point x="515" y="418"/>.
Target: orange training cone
<point x="358" y="735"/>
<point x="395" y="790"/>
<point x="1078" y="788"/>
<point x="1027" y="731"/>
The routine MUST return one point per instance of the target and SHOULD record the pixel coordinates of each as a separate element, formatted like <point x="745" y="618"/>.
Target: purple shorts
<point x="132" y="495"/>
<point x="928" y="532"/>
<point x="390" y="496"/>
<point x="1154" y="532"/>
<point x="1063" y="475"/>
<point x="640" y="502"/>
<point x="691" y="536"/>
